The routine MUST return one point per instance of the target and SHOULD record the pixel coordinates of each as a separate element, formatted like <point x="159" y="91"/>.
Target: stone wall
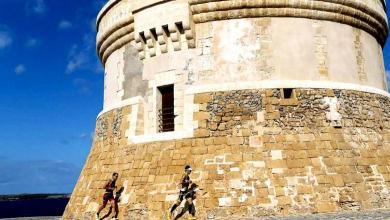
<point x="254" y="153"/>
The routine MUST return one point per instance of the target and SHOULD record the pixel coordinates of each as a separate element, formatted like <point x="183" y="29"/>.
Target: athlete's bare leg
<point x="101" y="208"/>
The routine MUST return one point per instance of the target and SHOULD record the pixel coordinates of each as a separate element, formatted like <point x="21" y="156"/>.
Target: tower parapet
<point x="280" y="106"/>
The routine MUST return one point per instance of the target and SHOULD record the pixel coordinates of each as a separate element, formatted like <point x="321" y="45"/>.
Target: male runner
<point x="185" y="183"/>
<point x="189" y="206"/>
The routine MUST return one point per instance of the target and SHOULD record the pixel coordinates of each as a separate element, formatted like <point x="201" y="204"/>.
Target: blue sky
<point x="51" y="90"/>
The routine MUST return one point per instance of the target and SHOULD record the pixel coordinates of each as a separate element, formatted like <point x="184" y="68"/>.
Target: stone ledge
<point x="275" y="84"/>
<point x="348" y="12"/>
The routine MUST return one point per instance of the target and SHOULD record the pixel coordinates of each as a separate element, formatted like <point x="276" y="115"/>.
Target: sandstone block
<point x="325" y="207"/>
<point x="306" y="137"/>
<point x="235" y="140"/>
<point x="338" y="180"/>
<point x="202" y="98"/>
<point x="284" y="200"/>
<point x="201" y="133"/>
<point x="272" y="115"/>
<point x="289" y="102"/>
<point x="304" y="189"/>
<point x="201" y="115"/>
<point x="234" y="158"/>
<point x="277" y="164"/>
<point x="220" y="140"/>
<point x="298" y="163"/>
<point x="199" y="150"/>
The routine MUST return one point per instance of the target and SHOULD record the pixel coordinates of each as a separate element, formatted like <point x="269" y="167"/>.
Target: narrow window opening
<point x="154" y="33"/>
<point x="180" y="28"/>
<point x="166" y="30"/>
<point x="142" y="35"/>
<point x="166" y="114"/>
<point x="288" y="93"/>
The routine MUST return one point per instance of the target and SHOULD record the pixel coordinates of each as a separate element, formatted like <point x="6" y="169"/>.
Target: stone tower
<point x="280" y="106"/>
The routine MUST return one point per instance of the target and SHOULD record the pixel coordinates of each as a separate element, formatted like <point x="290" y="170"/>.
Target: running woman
<point x="109" y="196"/>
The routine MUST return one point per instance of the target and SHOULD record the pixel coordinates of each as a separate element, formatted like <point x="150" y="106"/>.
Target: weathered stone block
<point x="202" y="98"/>
<point x="297" y="163"/>
<point x="201" y="115"/>
<point x="304" y="189"/>
<point x="284" y="200"/>
<point x="325" y="207"/>
<point x="289" y="102"/>
<point x="201" y="133"/>
<point x="235" y="140"/>
<point x="234" y="158"/>
<point x="276" y="164"/>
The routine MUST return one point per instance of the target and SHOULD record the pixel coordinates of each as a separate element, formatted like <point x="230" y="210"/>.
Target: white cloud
<point x="83" y="135"/>
<point x="36" y="7"/>
<point x="39" y="7"/>
<point x="71" y="140"/>
<point x="64" y="24"/>
<point x="83" y="56"/>
<point x="5" y="39"/>
<point x="32" y="42"/>
<point x="78" y="58"/>
<point x="20" y="69"/>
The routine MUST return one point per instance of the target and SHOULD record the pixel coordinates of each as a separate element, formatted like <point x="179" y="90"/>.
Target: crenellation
<point x="164" y="39"/>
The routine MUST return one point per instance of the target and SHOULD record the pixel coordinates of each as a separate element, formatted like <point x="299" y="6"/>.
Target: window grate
<point x="166" y="115"/>
<point x="166" y="118"/>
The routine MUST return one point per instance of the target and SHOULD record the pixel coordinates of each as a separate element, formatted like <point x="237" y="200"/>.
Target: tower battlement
<point x="158" y="19"/>
<point x="281" y="107"/>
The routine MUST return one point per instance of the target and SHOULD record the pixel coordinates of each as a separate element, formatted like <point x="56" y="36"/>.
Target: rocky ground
<point x="377" y="214"/>
<point x="374" y="215"/>
<point x="34" y="218"/>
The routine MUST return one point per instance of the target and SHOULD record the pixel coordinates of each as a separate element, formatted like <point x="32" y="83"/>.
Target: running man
<point x="185" y="183"/>
<point x="109" y="196"/>
<point x="189" y="206"/>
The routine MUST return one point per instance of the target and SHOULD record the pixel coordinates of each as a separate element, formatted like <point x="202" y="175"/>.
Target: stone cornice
<point x="144" y="4"/>
<point x="104" y="11"/>
<point x="116" y="28"/>
<point x="114" y="38"/>
<point x="348" y="12"/>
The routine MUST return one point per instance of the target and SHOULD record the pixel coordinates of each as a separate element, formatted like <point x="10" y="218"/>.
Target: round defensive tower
<point x="280" y="106"/>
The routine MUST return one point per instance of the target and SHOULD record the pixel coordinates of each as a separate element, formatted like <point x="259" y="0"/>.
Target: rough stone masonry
<point x="280" y="107"/>
<point x="255" y="155"/>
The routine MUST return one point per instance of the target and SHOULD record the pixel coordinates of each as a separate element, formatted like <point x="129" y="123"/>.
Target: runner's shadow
<point x="118" y="194"/>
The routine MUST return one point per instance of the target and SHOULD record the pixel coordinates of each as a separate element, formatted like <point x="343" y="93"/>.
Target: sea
<point x="33" y="207"/>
